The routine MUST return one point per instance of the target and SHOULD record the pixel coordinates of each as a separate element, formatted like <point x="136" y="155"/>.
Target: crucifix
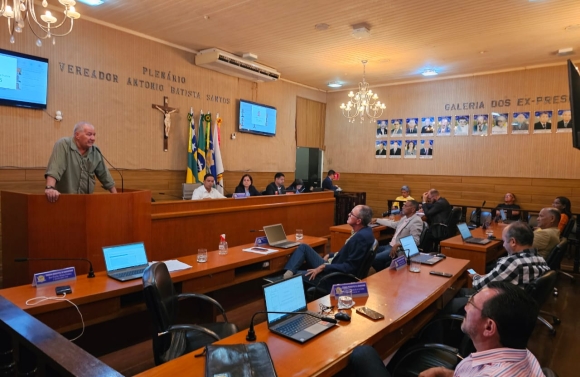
<point x="166" y="110"/>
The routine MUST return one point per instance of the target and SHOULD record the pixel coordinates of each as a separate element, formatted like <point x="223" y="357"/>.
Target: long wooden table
<point x="479" y="255"/>
<point x="407" y="300"/>
<point x="101" y="298"/>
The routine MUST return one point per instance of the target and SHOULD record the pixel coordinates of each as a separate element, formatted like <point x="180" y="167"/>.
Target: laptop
<point x="504" y="218"/>
<point x="468" y="238"/>
<point x="277" y="237"/>
<point x="412" y="252"/>
<point x="125" y="262"/>
<point x="288" y="296"/>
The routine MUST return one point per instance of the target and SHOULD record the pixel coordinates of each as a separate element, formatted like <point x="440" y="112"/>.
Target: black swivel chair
<point x="540" y="289"/>
<point x="171" y="340"/>
<point x="555" y="257"/>
<point x="323" y="286"/>
<point x="443" y="231"/>
<point x="568" y="228"/>
<point x="424" y="356"/>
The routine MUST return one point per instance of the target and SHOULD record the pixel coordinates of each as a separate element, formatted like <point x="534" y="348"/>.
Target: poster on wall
<point x="444" y="126"/>
<point x="427" y="126"/>
<point x="543" y="122"/>
<point x="499" y="123"/>
<point x="461" y="125"/>
<point x="381" y="149"/>
<point x="382" y="130"/>
<point x="395" y="151"/>
<point x="411" y="129"/>
<point x="564" y="121"/>
<point x="480" y="125"/>
<point x="410" y="148"/>
<point x="426" y="148"/>
<point x="521" y="123"/>
<point x="396" y="128"/>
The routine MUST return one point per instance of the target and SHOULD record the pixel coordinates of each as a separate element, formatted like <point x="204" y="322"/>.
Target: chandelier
<point x="23" y="11"/>
<point x="363" y="103"/>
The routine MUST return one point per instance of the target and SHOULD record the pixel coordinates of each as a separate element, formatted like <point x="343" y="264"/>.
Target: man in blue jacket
<point x="347" y="260"/>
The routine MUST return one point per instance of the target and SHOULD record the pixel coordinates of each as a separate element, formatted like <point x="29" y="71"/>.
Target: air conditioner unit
<point x="233" y="65"/>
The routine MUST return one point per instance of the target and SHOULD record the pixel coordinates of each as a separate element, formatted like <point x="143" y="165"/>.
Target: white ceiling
<point x="454" y="37"/>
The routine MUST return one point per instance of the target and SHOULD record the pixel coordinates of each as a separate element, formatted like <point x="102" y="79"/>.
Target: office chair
<point x="171" y="340"/>
<point x="554" y="260"/>
<point x="324" y="285"/>
<point x="540" y="290"/>
<point x="422" y="357"/>
<point x="187" y="190"/>
<point x="443" y="231"/>
<point x="483" y="217"/>
<point x="568" y="228"/>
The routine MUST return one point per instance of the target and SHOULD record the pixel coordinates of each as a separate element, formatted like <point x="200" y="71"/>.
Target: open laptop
<point x="277" y="237"/>
<point x="504" y="218"/>
<point x="410" y="247"/>
<point x="125" y="262"/>
<point x="288" y="296"/>
<point x="468" y="238"/>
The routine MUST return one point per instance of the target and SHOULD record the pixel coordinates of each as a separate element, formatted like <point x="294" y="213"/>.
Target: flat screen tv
<point x="23" y="80"/>
<point x="257" y="119"/>
<point x="574" y="82"/>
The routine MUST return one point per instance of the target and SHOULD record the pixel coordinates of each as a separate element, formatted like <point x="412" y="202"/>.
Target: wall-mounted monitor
<point x="574" y="83"/>
<point x="23" y="80"/>
<point x="257" y="119"/>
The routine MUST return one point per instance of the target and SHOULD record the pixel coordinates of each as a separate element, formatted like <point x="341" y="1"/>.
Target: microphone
<point x="252" y="334"/>
<point x="117" y="170"/>
<point x="91" y="271"/>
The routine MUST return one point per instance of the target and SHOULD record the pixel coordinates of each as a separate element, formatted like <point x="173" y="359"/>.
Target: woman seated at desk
<point x="296" y="187"/>
<point x="563" y="204"/>
<point x="405" y="195"/>
<point x="508" y="204"/>
<point x="247" y="186"/>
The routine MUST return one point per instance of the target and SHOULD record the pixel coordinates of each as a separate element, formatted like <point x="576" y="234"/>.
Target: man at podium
<point x="74" y="163"/>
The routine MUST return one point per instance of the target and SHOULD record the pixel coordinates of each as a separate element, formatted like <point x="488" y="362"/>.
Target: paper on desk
<point x="260" y="250"/>
<point x="174" y="265"/>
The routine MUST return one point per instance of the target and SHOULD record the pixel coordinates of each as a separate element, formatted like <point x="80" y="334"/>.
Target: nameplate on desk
<point x="359" y="289"/>
<point x="49" y="277"/>
<point x="239" y="195"/>
<point x="398" y="263"/>
<point x="261" y="241"/>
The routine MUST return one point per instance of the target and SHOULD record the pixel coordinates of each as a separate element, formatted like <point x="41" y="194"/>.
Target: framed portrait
<point x="444" y="126"/>
<point x="564" y="121"/>
<point x="411" y="126"/>
<point x="395" y="150"/>
<point x="461" y="125"/>
<point x="396" y="127"/>
<point x="521" y="123"/>
<point x="381" y="149"/>
<point x="410" y="149"/>
<point x="500" y="123"/>
<point x="426" y="148"/>
<point x="543" y="122"/>
<point x="480" y="125"/>
<point x="427" y="126"/>
<point x="382" y="128"/>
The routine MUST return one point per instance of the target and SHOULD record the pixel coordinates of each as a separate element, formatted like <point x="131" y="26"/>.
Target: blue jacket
<point x="351" y="256"/>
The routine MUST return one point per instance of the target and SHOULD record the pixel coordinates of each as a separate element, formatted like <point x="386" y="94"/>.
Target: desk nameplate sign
<point x="260" y="241"/>
<point x="54" y="276"/>
<point x="359" y="289"/>
<point x="239" y="195"/>
<point x="398" y="263"/>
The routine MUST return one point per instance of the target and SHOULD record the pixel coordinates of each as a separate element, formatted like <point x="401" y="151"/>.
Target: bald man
<point x="547" y="235"/>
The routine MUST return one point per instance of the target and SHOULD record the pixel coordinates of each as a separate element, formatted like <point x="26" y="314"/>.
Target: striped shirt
<point x="519" y="269"/>
<point x="498" y="362"/>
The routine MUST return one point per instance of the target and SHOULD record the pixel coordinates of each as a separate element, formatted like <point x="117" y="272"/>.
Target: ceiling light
<point x="429" y="72"/>
<point x="360" y="32"/>
<point x="321" y="27"/>
<point x="334" y="84"/>
<point x="363" y="102"/>
<point x="93" y="3"/>
<point x="23" y="11"/>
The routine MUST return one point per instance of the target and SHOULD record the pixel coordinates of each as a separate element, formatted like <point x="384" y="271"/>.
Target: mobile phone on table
<point x="367" y="312"/>
<point x="472" y="271"/>
<point x="439" y="273"/>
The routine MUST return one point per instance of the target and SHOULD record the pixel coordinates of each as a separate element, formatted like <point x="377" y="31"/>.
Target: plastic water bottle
<point x="223" y="247"/>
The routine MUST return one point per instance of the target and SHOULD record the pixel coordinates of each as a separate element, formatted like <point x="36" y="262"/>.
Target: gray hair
<point x="79" y="126"/>
<point x="406" y="188"/>
<point x="366" y="214"/>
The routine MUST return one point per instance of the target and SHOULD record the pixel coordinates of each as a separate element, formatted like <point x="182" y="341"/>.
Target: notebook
<point x="288" y="296"/>
<point x="125" y="262"/>
<point x="467" y="237"/>
<point x="408" y="244"/>
<point x="277" y="237"/>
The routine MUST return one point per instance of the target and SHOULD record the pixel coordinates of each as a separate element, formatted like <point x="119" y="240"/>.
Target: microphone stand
<point x="91" y="271"/>
<point x="251" y="337"/>
<point x="117" y="170"/>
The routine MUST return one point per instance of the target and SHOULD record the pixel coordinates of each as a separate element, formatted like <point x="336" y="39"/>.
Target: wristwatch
<point x="49" y="188"/>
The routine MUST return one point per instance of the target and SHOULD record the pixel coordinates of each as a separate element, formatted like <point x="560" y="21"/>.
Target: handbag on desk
<point x="239" y="360"/>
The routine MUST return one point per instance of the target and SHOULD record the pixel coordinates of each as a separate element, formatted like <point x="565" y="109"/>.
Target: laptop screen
<point x="284" y="296"/>
<point x="503" y="215"/>
<point x="409" y="246"/>
<point x="275" y="233"/>
<point x="124" y="256"/>
<point x="464" y="230"/>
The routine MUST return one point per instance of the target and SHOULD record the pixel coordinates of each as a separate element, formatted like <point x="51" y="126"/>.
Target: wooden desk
<point x="340" y="233"/>
<point x="479" y="255"/>
<point x="102" y="298"/>
<point x="407" y="300"/>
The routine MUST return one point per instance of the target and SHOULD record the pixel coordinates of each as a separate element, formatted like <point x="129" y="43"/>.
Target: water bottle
<point x="223" y="247"/>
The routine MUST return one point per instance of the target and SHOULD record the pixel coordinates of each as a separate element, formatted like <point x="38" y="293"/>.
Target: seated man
<point x="206" y="191"/>
<point x="520" y="267"/>
<point x="276" y="187"/>
<point x="499" y="320"/>
<point x="409" y="225"/>
<point x="547" y="234"/>
<point x="327" y="182"/>
<point x="347" y="260"/>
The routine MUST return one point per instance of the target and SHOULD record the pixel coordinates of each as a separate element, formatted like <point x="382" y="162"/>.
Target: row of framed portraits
<point x="476" y="125"/>
<point x="410" y="148"/>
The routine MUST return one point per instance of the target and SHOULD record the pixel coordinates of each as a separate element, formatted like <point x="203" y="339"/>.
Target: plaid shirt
<point x="519" y="269"/>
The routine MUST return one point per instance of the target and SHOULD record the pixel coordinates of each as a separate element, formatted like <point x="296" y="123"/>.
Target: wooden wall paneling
<point x="310" y="117"/>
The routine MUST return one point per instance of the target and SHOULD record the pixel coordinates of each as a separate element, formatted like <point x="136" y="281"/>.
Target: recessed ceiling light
<point x="93" y="3"/>
<point x="334" y="84"/>
<point x="429" y="72"/>
<point x="321" y="27"/>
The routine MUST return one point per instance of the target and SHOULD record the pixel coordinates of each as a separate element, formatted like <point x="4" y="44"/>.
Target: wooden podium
<point x="76" y="226"/>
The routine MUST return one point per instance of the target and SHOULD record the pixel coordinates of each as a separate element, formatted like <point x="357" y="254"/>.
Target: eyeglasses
<point x="353" y="215"/>
<point x="470" y="301"/>
<point x="324" y="310"/>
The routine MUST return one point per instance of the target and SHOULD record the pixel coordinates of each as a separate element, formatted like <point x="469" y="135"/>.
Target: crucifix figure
<point x="166" y="110"/>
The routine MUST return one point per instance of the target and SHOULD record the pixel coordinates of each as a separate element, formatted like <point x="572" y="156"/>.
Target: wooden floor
<point x="559" y="352"/>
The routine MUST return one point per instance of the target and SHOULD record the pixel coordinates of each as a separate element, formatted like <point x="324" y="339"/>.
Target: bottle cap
<point x="222" y="237"/>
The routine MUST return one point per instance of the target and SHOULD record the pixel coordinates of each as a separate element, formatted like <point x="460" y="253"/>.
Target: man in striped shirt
<point x="499" y="320"/>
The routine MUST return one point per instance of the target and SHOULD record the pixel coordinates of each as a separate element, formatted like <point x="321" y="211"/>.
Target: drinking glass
<point x="415" y="266"/>
<point x="299" y="235"/>
<point x="345" y="300"/>
<point x="202" y="255"/>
